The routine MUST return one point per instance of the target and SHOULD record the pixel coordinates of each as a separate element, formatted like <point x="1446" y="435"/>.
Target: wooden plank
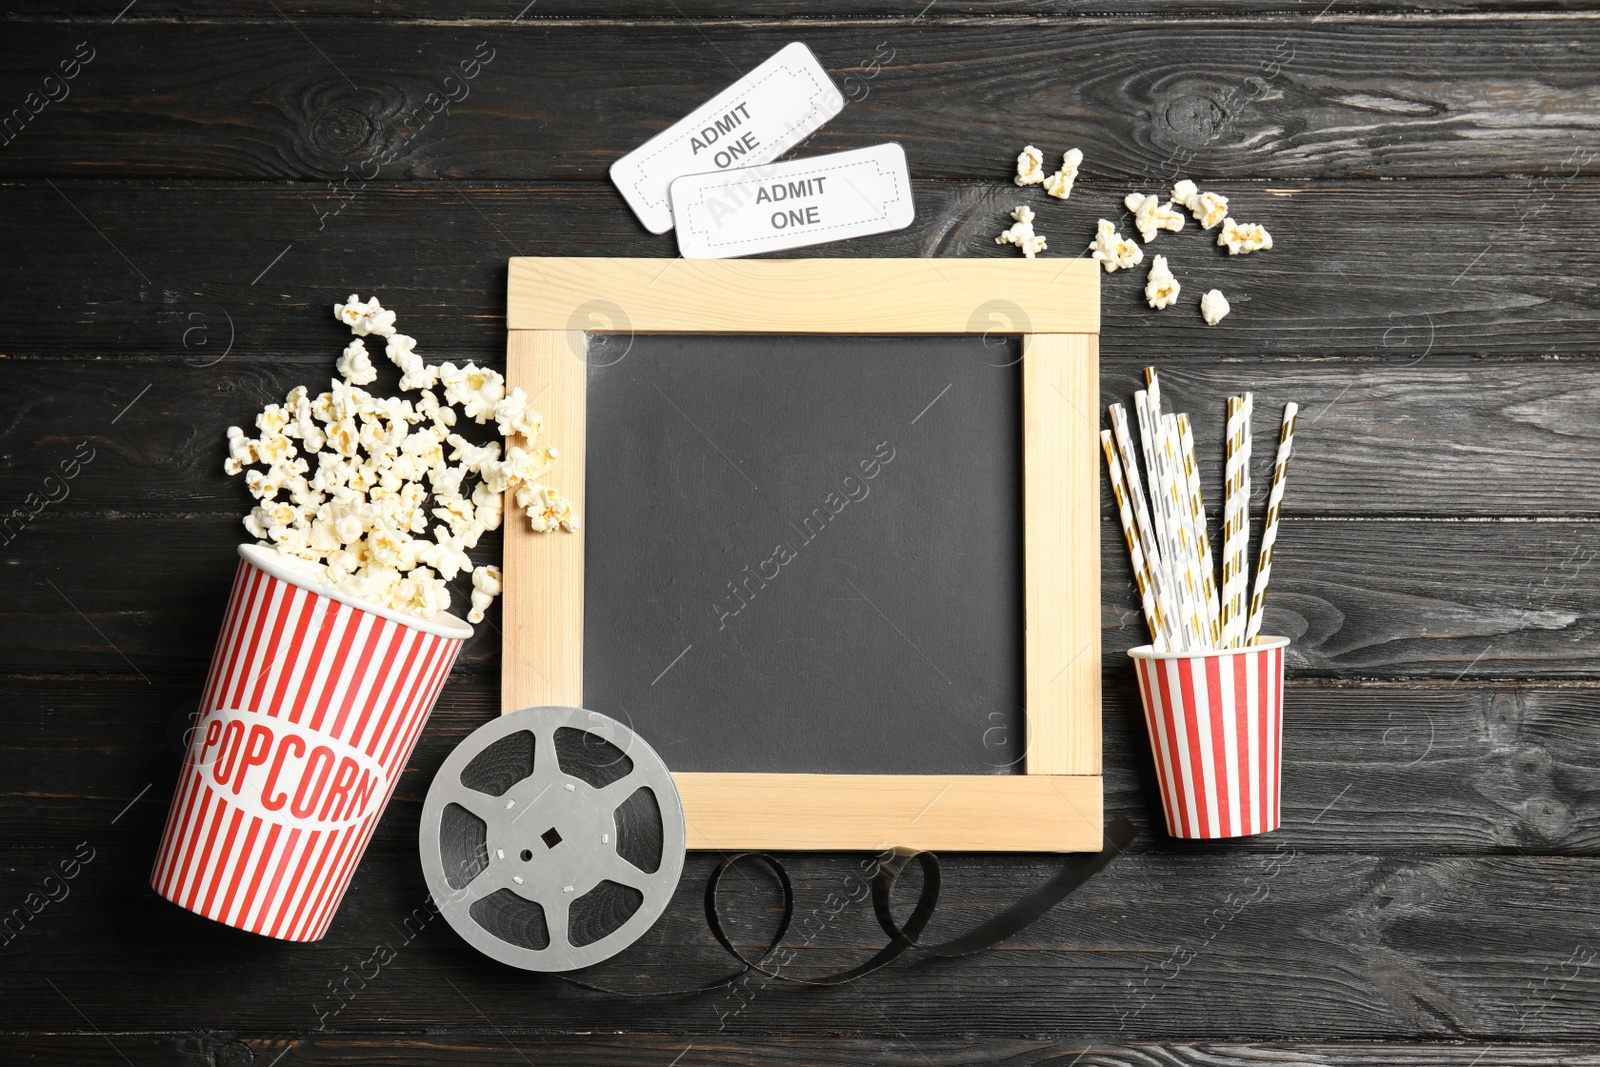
<point x="869" y="812"/>
<point x="1462" y="770"/>
<point x="401" y="1049"/>
<point x="1164" y="941"/>
<point x="1375" y="599"/>
<point x="1219" y="97"/>
<point x="1426" y="598"/>
<point x="1338" y="283"/>
<point x="867" y="295"/>
<point x="895" y="15"/>
<point x="1442" y="438"/>
<point x="1061" y="534"/>
<point x="542" y="609"/>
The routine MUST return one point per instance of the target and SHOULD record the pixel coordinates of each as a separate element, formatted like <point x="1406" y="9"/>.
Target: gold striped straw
<point x="1202" y="586"/>
<point x="1198" y="583"/>
<point x="1159" y="566"/>
<point x="1181" y="603"/>
<point x="1147" y="439"/>
<point x="1141" y="512"/>
<point x="1241" y="612"/>
<point x="1172" y="489"/>
<point x="1141" y="575"/>
<point x="1155" y="565"/>
<point x="1151" y="430"/>
<point x="1269" y="533"/>
<point x="1176" y="487"/>
<point x="1235" y="504"/>
<point x="1197" y="513"/>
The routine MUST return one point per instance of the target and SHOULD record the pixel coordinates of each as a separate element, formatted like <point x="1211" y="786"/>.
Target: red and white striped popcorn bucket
<point x="1216" y="731"/>
<point x="311" y="709"/>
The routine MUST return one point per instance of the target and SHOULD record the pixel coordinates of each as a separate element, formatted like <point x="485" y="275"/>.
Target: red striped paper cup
<point x="313" y="704"/>
<point x="1216" y="731"/>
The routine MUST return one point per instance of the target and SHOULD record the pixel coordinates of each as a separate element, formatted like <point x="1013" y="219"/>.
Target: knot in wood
<point x="1195" y="118"/>
<point x="341" y="131"/>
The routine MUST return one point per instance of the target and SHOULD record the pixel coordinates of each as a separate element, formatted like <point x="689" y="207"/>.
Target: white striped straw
<point x="1152" y="388"/>
<point x="1181" y="604"/>
<point x="1147" y="442"/>
<point x="1173" y="493"/>
<point x="1242" y="615"/>
<point x="1269" y="533"/>
<point x="1233" y="551"/>
<point x="1146" y="525"/>
<point x="1174" y="546"/>
<point x="1197" y="511"/>
<point x="1141" y="577"/>
<point x="1185" y="563"/>
<point x="1177" y="489"/>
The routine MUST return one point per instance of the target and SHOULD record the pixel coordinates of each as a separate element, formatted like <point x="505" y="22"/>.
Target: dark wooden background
<point x="1431" y="168"/>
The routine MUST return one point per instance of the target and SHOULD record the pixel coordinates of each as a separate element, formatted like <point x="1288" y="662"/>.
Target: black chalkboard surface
<point x="804" y="553"/>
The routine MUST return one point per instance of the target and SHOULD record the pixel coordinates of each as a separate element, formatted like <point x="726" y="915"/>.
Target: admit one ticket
<point x="755" y="120"/>
<point x="792" y="204"/>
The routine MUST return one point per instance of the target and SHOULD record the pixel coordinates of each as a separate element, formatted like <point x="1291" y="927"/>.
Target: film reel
<point x="552" y="838"/>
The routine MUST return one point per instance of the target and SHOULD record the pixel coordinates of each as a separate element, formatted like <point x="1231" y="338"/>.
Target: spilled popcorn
<point x="1161" y="288"/>
<point x="1114" y="251"/>
<point x="1246" y="237"/>
<point x="1208" y="209"/>
<point x="1030" y="166"/>
<point x="374" y="490"/>
<point x="1214" y="307"/>
<point x="1150" y="215"/>
<point x="1059" y="184"/>
<point x="1021" y="233"/>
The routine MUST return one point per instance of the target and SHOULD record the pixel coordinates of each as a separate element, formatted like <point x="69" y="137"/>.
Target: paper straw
<point x="1158" y="458"/>
<point x="1173" y="489"/>
<point x="1147" y="441"/>
<point x="1152" y="388"/>
<point x="1176" y="486"/>
<point x="1141" y="511"/>
<point x="1157" y="564"/>
<point x="1241" y="616"/>
<point x="1181" y="579"/>
<point x="1141" y="576"/>
<point x="1181" y="604"/>
<point x="1233" y="545"/>
<point x="1197" y="512"/>
<point x="1269" y="533"/>
<point x="1175" y="504"/>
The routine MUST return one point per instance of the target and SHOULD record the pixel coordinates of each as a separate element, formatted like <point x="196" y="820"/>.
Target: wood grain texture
<point x="489" y="1049"/>
<point x="1345" y="277"/>
<point x="541" y="660"/>
<point x="820" y="295"/>
<point x="1441" y="438"/>
<point x="1061" y="542"/>
<point x="1431" y="897"/>
<point x="1378" y="599"/>
<point x="888" y="11"/>
<point x="1215" y="944"/>
<point x="869" y="812"/>
<point x="1470" y="769"/>
<point x="1148" y="98"/>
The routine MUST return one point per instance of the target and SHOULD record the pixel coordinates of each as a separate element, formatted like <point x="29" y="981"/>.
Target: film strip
<point x="553" y="838"/>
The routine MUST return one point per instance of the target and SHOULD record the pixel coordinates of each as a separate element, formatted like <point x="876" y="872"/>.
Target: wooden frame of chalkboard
<point x="1056" y="803"/>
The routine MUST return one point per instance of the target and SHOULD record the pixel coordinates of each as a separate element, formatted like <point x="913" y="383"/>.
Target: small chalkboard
<point x="840" y="553"/>
<point x="805" y="553"/>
